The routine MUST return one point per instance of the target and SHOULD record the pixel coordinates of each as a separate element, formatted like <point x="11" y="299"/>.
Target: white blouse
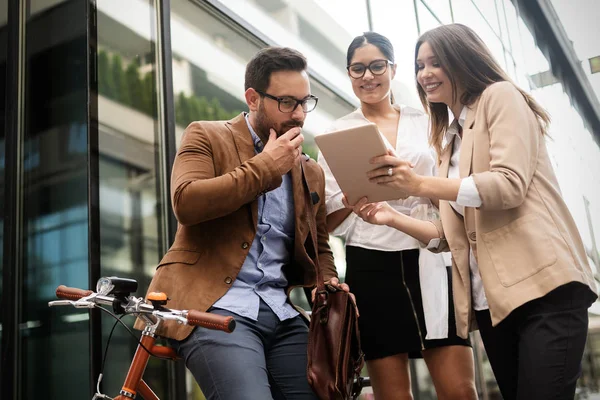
<point x="411" y="145"/>
<point x="468" y="196"/>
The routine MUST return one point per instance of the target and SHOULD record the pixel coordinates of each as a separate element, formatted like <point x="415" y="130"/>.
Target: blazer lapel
<point x="242" y="137"/>
<point x="454" y="228"/>
<point x="453" y="223"/>
<point x="245" y="149"/>
<point x="301" y="228"/>
<point x="466" y="147"/>
<point x="466" y="153"/>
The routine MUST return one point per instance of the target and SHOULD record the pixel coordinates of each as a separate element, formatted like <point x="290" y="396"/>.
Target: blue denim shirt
<point x="261" y="276"/>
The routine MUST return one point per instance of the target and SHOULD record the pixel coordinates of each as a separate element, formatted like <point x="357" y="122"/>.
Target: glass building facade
<point x="94" y="98"/>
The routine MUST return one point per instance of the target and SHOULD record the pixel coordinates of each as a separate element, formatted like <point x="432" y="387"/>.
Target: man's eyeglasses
<point x="287" y="104"/>
<point x="377" y="67"/>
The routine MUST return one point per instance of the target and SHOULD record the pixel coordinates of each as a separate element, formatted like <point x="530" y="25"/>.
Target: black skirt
<point x="388" y="295"/>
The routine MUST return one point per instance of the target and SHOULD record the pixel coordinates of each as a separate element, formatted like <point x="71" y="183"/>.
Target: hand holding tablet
<point x="348" y="153"/>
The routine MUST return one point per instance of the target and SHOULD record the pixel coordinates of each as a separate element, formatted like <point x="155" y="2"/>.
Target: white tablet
<point x="347" y="153"/>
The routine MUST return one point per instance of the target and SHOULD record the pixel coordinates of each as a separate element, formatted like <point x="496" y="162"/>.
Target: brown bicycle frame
<point x="134" y="384"/>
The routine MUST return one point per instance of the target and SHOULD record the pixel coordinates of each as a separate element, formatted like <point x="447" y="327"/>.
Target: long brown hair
<point x="467" y="61"/>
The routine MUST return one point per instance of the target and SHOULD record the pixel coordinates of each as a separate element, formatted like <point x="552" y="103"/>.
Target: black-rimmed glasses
<point x="287" y="104"/>
<point x="377" y="67"/>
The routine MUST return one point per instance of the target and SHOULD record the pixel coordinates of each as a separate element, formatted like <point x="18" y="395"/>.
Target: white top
<point x="468" y="196"/>
<point x="411" y="145"/>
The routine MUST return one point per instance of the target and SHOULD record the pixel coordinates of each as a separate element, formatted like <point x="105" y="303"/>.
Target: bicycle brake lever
<point x="169" y="316"/>
<point x="59" y="303"/>
<point x="76" y="304"/>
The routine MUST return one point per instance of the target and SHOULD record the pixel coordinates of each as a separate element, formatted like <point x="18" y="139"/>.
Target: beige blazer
<point x="525" y="240"/>
<point x="215" y="184"/>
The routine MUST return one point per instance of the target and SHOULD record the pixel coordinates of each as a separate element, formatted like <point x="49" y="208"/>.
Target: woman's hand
<point x="395" y="173"/>
<point x="373" y="213"/>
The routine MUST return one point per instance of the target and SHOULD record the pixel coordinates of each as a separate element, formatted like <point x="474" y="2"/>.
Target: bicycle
<point x="117" y="292"/>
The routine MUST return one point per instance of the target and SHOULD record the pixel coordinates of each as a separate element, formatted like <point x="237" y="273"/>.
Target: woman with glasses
<point x="403" y="292"/>
<point x="521" y="267"/>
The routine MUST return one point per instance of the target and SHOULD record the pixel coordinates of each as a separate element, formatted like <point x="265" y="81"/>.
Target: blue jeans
<point x="264" y="359"/>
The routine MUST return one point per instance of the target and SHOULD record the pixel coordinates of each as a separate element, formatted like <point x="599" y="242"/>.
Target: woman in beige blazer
<point x="520" y="270"/>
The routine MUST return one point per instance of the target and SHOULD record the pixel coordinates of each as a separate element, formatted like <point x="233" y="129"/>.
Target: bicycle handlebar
<point x="190" y="317"/>
<point x="211" y="321"/>
<point x="69" y="293"/>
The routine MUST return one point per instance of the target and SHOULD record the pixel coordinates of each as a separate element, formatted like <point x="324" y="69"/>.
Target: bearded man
<point x="242" y="238"/>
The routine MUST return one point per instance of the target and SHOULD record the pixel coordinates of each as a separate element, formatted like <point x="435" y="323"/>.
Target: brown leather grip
<point x="211" y="321"/>
<point x="69" y="293"/>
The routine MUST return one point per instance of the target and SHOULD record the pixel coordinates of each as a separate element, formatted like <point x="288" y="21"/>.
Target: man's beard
<point x="264" y="124"/>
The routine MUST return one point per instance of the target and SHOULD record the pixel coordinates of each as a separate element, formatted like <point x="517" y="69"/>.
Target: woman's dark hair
<point x="381" y="42"/>
<point x="467" y="61"/>
<point x="270" y="60"/>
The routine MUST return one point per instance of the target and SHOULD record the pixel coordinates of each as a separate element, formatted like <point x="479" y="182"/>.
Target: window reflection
<point x="131" y="242"/>
<point x="54" y="344"/>
<point x="466" y="12"/>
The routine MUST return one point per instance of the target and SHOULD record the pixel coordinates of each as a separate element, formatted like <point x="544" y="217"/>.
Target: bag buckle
<point x="321" y="298"/>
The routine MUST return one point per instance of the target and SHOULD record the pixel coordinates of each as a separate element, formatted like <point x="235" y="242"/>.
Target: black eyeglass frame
<point x="298" y="102"/>
<point x="368" y="67"/>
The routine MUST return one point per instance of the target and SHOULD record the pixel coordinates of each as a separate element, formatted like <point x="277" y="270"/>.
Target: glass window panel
<point x="351" y="14"/>
<point x="319" y="33"/>
<point x="426" y="20"/>
<point x="398" y="22"/>
<point x="441" y="8"/>
<point x="54" y="186"/>
<point x="466" y="13"/>
<point x="534" y="60"/>
<point x="130" y="188"/>
<point x="511" y="67"/>
<point x="488" y="9"/>
<point x="512" y="22"/>
<point x="504" y="30"/>
<point x="576" y="158"/>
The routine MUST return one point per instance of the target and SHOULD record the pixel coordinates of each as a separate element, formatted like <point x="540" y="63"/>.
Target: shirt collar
<point x="453" y="128"/>
<point x="258" y="144"/>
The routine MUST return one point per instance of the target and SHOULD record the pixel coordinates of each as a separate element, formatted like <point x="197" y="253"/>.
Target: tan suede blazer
<point x="215" y="184"/>
<point x="523" y="235"/>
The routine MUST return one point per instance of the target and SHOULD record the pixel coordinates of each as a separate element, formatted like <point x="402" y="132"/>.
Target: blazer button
<point x="228" y="280"/>
<point x="245" y="245"/>
<point x="473" y="236"/>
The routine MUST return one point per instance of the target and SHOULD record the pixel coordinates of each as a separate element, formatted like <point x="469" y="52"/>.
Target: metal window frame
<point x="93" y="190"/>
<point x="176" y="385"/>
<point x="12" y="273"/>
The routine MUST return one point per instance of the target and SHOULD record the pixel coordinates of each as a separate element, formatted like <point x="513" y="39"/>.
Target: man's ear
<point x="252" y="99"/>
